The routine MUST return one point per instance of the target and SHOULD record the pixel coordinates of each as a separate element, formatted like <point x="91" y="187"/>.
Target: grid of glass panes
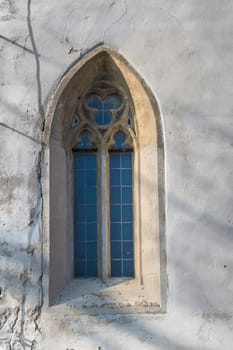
<point x="103" y="107"/>
<point x="85" y="214"/>
<point x="121" y="214"/>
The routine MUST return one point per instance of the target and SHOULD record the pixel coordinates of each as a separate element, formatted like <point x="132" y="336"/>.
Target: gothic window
<point x="103" y="190"/>
<point x="103" y="154"/>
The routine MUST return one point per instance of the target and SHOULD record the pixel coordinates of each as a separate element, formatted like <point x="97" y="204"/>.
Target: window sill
<point x="117" y="296"/>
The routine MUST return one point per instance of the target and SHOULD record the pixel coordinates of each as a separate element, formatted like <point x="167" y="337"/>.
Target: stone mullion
<point x="103" y="216"/>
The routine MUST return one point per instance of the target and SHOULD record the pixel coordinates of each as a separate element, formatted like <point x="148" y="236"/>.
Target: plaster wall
<point x="183" y="50"/>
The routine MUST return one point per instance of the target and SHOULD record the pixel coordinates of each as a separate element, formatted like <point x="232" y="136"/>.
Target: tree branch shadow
<point x="37" y="61"/>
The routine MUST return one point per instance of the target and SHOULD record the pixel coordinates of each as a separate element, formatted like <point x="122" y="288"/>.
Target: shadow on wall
<point x="22" y="269"/>
<point x="37" y="61"/>
<point x="33" y="139"/>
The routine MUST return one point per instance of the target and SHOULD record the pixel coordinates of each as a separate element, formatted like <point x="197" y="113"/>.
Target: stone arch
<point x="149" y="173"/>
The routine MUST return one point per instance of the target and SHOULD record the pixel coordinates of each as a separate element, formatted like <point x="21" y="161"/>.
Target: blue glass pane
<point x="115" y="213"/>
<point x="80" y="268"/>
<point x="128" y="268"/>
<point x="127" y="213"/>
<point x="122" y="143"/>
<point x="127" y="195"/>
<point x="91" y="231"/>
<point x="116" y="250"/>
<point x="85" y="141"/>
<point x="121" y="214"/>
<point x="103" y="117"/>
<point x="82" y="250"/>
<point x="112" y="102"/>
<point x="81" y="175"/>
<point x="126" y="177"/>
<point x="80" y="214"/>
<point x="91" y="268"/>
<point x="116" y="269"/>
<point x="114" y="161"/>
<point x="94" y="102"/>
<point x="120" y="139"/>
<point x="116" y="231"/>
<point x="80" y="164"/>
<point x="85" y="215"/>
<point x="115" y="177"/>
<point x="115" y="195"/>
<point x="81" y="196"/>
<point x="81" y="232"/>
<point x="104" y="107"/>
<point x="126" y="161"/>
<point x="128" y="250"/>
<point x="91" y="178"/>
<point x="127" y="231"/>
<point x="90" y="213"/>
<point x="92" y="251"/>
<point x="90" y="161"/>
<point x="91" y="195"/>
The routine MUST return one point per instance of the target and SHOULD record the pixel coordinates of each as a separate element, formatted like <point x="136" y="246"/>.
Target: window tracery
<point x="104" y="105"/>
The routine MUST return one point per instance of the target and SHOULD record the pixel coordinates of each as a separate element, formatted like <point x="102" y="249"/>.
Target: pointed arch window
<point x="104" y="208"/>
<point x="103" y="184"/>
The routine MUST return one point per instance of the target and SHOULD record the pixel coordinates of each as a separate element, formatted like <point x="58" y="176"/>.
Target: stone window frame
<point x="147" y="292"/>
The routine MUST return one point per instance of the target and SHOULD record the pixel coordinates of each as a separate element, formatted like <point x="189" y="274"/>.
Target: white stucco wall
<point x="183" y="49"/>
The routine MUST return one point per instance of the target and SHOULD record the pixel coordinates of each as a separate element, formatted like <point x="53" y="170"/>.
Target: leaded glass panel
<point x="121" y="214"/>
<point x="85" y="215"/>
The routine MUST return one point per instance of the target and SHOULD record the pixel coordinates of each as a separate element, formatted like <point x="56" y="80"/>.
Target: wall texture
<point x="183" y="49"/>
